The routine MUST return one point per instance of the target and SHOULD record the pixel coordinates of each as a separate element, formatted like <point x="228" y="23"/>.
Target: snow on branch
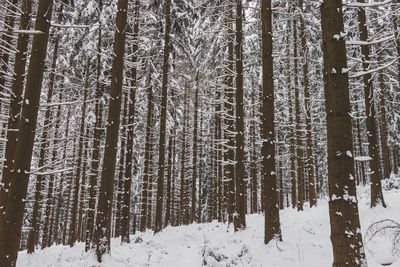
<point x="372" y="4"/>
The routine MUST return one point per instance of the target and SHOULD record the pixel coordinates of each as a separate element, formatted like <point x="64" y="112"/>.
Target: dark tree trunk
<point x="17" y="87"/>
<point x="182" y="203"/>
<point x="163" y="122"/>
<point x="73" y="231"/>
<point x="10" y="226"/>
<point x="104" y="209"/>
<point x="272" y="223"/>
<point x="96" y="142"/>
<point x="61" y="184"/>
<point x="372" y="133"/>
<point x="344" y="217"/>
<point x="240" y="218"/>
<point x="147" y="159"/>
<point x="307" y="103"/>
<point x="229" y="172"/>
<point x="299" y="143"/>
<point x="125" y="211"/>
<point x="121" y="171"/>
<point x="194" y="163"/>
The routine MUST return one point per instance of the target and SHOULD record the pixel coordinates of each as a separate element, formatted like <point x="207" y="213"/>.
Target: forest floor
<point x="306" y="242"/>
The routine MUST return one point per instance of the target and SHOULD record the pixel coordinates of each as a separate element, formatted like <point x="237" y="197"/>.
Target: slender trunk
<point x="373" y="147"/>
<point x="182" y="202"/>
<point x="104" y="209"/>
<point x="291" y="126"/>
<point x="219" y="155"/>
<point x="161" y="148"/>
<point x="299" y="151"/>
<point x="47" y="239"/>
<point x="200" y="198"/>
<point x="96" y="141"/>
<point x="194" y="163"/>
<point x="307" y="99"/>
<point x="229" y="156"/>
<point x="271" y="212"/>
<point x="384" y="130"/>
<point x="147" y="159"/>
<point x="10" y="226"/>
<point x="240" y="218"/>
<point x="69" y="194"/>
<point x="73" y="231"/>
<point x="343" y="210"/>
<point x="121" y="171"/>
<point x="61" y="184"/>
<point x="168" y="204"/>
<point x="125" y="211"/>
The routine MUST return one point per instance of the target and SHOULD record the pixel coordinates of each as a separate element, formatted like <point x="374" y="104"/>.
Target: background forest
<point x="118" y="117"/>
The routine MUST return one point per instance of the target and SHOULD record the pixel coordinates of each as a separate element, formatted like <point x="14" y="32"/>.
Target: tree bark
<point x="147" y="159"/>
<point x="373" y="147"/>
<point x="96" y="141"/>
<point x="17" y="87"/>
<point x="10" y="226"/>
<point x="104" y="210"/>
<point x="343" y="210"/>
<point x="229" y="172"/>
<point x="240" y="218"/>
<point x="73" y="231"/>
<point x="272" y="229"/>
<point x="307" y="103"/>
<point x="163" y="122"/>
<point x="194" y="163"/>
<point x="125" y="211"/>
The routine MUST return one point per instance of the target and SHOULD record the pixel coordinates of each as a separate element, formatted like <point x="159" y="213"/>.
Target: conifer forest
<point x="180" y="133"/>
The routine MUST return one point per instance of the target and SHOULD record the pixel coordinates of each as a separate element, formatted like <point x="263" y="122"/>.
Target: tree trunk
<point x="17" y="87"/>
<point x="240" y="218"/>
<point x="194" y="164"/>
<point x="373" y="147"/>
<point x="229" y="172"/>
<point x="343" y="210"/>
<point x="307" y="99"/>
<point x="104" y="209"/>
<point x="96" y="141"/>
<point x="182" y="195"/>
<point x="125" y="211"/>
<point x="163" y="122"/>
<point x="61" y="184"/>
<point x="73" y="231"/>
<point x="200" y="198"/>
<point x="10" y="226"/>
<point x="147" y="159"/>
<point x="291" y="127"/>
<point x="299" y="143"/>
<point x="272" y="223"/>
<point x="121" y="171"/>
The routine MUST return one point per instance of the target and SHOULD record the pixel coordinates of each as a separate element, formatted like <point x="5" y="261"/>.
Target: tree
<point x="343" y="209"/>
<point x="125" y="211"/>
<point x="10" y="226"/>
<point x="103" y="216"/>
<point x="240" y="218"/>
<point x="161" y="145"/>
<point x="17" y="87"/>
<point x="373" y="147"/>
<point x="271" y="212"/>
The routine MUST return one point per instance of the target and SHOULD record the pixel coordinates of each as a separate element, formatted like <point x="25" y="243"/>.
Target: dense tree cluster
<point x="124" y="116"/>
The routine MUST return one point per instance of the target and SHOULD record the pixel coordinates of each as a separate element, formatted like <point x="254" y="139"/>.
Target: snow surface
<point x="306" y="242"/>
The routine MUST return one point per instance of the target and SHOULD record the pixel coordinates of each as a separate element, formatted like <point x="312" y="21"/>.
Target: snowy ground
<point x="306" y="243"/>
